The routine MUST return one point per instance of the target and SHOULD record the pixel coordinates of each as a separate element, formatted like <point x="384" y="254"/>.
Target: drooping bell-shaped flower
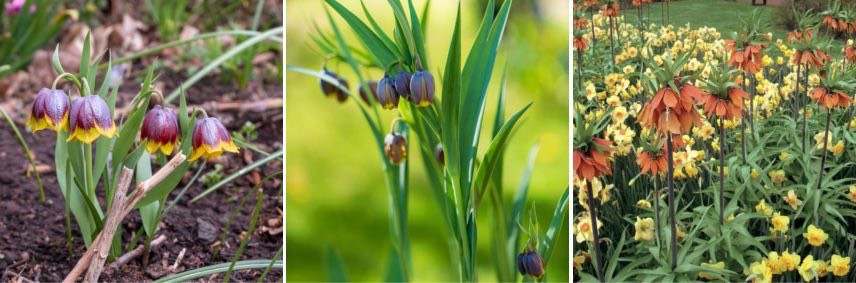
<point x="210" y="139"/>
<point x="160" y="130"/>
<point x="386" y="94"/>
<point x="89" y="119"/>
<point x="422" y="88"/>
<point x="530" y="263"/>
<point x="402" y="84"/>
<point x="50" y="111"/>
<point x="395" y="148"/>
<point x="330" y="89"/>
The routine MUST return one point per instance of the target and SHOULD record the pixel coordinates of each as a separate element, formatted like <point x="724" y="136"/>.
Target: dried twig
<point x="124" y="259"/>
<point x="121" y="207"/>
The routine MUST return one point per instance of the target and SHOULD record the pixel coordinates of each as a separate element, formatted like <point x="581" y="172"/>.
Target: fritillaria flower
<point x="595" y="162"/>
<point x="530" y="263"/>
<point x="395" y="148"/>
<point x="422" y="88"/>
<point x="89" y="119"/>
<point x="386" y="94"/>
<point x="438" y="153"/>
<point x="728" y="107"/>
<point x="50" y="111"/>
<point x="211" y="139"/>
<point x="330" y="89"/>
<point x="402" y="84"/>
<point x="829" y="99"/>
<point x="160" y="130"/>
<point x="653" y="163"/>
<point x="746" y="58"/>
<point x="365" y="91"/>
<point x="612" y="9"/>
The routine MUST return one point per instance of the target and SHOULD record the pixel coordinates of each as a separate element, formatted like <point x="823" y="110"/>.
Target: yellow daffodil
<point x="815" y="236"/>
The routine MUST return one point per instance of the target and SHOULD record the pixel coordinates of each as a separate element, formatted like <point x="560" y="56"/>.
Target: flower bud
<point x="395" y="148"/>
<point x="89" y="119"/>
<point x="50" y="111"/>
<point x="386" y="94"/>
<point x="402" y="84"/>
<point x="210" y="139"/>
<point x="422" y="88"/>
<point x="530" y="263"/>
<point x="331" y="89"/>
<point x="372" y="90"/>
<point x="438" y="153"/>
<point x="160" y="130"/>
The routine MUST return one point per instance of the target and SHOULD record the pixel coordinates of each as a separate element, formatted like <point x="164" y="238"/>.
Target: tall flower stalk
<point x="591" y="161"/>
<point x="831" y="94"/>
<point x="809" y="52"/>
<point x="723" y="100"/>
<point x="671" y="112"/>
<point x="611" y="10"/>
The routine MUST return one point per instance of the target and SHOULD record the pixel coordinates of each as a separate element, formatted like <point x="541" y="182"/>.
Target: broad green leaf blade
<point x="335" y="267"/>
<point x="149" y="213"/>
<point x="493" y="153"/>
<point x="380" y="53"/>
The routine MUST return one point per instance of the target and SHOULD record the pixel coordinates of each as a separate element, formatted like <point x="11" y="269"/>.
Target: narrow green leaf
<point x="494" y="150"/>
<point x="552" y="236"/>
<point x="219" y="268"/>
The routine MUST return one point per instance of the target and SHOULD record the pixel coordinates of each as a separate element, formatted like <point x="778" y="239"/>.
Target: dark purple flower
<point x="160" y="130"/>
<point x="50" y="111"/>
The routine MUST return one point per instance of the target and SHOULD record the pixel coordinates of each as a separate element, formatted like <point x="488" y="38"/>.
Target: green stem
<point x="247" y="236"/>
<point x="27" y="152"/>
<point x="90" y="179"/>
<point x="270" y="266"/>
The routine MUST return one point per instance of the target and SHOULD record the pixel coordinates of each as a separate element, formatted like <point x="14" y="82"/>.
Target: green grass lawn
<point x="720" y="14"/>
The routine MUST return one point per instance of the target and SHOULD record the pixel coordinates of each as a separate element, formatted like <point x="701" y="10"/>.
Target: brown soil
<point x="32" y="233"/>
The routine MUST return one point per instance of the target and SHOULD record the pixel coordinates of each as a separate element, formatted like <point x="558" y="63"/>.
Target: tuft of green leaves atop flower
<point x="752" y="30"/>
<point x="586" y="129"/>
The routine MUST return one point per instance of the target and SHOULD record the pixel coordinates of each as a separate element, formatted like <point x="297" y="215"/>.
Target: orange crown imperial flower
<point x="50" y="111"/>
<point x="595" y="162"/>
<point x="611" y="9"/>
<point x="89" y="119"/>
<point x="210" y="139"/>
<point x="850" y="53"/>
<point x="830" y="100"/>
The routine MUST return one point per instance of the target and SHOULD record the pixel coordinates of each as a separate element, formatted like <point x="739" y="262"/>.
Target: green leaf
<point x="382" y="55"/>
<point x="129" y="130"/>
<point x="219" y="268"/>
<point x="246" y="169"/>
<point x="494" y="150"/>
<point x="519" y="201"/>
<point x="335" y="266"/>
<point x="84" y="57"/>
<point x="149" y="213"/>
<point x="552" y="236"/>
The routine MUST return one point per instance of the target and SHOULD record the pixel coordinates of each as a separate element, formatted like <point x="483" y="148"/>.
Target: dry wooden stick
<point x="118" y="212"/>
<point x="125" y="258"/>
<point x="114" y="218"/>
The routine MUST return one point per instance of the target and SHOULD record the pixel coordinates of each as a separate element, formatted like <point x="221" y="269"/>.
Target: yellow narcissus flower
<point x="628" y="69"/>
<point x="808" y="268"/>
<point x="619" y="114"/>
<point x="790" y="261"/>
<point x="839" y="265"/>
<point x="815" y="236"/>
<point x="754" y="174"/>
<point x="644" y="229"/>
<point x="822" y="268"/>
<point x="583" y="228"/>
<point x="774" y="263"/>
<point x="780" y="223"/>
<point x="211" y="139"/>
<point x="813" y="79"/>
<point x="792" y="199"/>
<point x="706" y="131"/>
<point x="579" y="259"/>
<point x="89" y="119"/>
<point x="613" y="101"/>
<point x="761" y="272"/>
<point x="784" y="155"/>
<point x="838" y="148"/>
<point x="708" y="276"/>
<point x="778" y="176"/>
<point x="852" y="193"/>
<point x="818" y="138"/>
<point x="643" y="203"/>
<point x="780" y="60"/>
<point x="762" y="207"/>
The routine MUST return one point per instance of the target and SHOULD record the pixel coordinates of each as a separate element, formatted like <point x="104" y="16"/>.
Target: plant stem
<point x="823" y="153"/>
<point x="26" y="152"/>
<point x="805" y="117"/>
<point x="674" y="235"/>
<point x="752" y="105"/>
<point x="248" y="235"/>
<point x="721" y="172"/>
<point x="657" y="187"/>
<point x="611" y="39"/>
<point x="595" y="239"/>
<point x="742" y="138"/>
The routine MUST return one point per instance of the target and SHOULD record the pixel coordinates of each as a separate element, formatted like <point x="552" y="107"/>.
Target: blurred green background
<point x="336" y="196"/>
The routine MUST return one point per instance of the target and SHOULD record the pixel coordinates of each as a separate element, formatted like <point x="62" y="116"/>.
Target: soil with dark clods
<point x="32" y="233"/>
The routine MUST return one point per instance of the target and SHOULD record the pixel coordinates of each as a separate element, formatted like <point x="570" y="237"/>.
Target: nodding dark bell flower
<point x="402" y="84"/>
<point x="530" y="263"/>
<point x="330" y="89"/>
<point x="371" y="91"/>
<point x="438" y="153"/>
<point x="422" y="88"/>
<point x="395" y="148"/>
<point x="210" y="139"/>
<point x="50" y="111"/>
<point x="89" y="119"/>
<point x="386" y="94"/>
<point x="160" y="130"/>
